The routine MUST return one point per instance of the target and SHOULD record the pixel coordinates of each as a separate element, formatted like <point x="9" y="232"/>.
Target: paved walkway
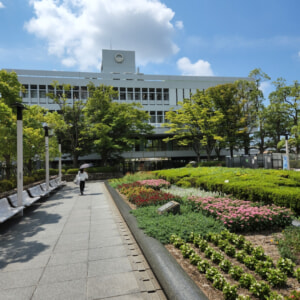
<point x="73" y="247"/>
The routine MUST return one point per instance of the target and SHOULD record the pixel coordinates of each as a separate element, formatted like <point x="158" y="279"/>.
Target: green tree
<point x="114" y="127"/>
<point x="33" y="136"/>
<point x="232" y="127"/>
<point x="8" y="137"/>
<point x="10" y="88"/>
<point x="246" y="96"/>
<point x="278" y="119"/>
<point x="69" y="123"/>
<point x="195" y="124"/>
<point x="258" y="98"/>
<point x="9" y="94"/>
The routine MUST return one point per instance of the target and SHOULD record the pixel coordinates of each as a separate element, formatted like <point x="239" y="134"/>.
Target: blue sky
<point x="171" y="37"/>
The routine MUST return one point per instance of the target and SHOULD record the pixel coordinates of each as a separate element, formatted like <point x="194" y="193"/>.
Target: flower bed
<point x="146" y="192"/>
<point x="239" y="215"/>
<point x="263" y="278"/>
<point x="155" y="184"/>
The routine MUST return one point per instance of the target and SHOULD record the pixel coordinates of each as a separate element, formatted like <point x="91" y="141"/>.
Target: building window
<point x="137" y="94"/>
<point x="84" y="92"/>
<point x="152" y="94"/>
<point x="152" y="117"/>
<point x="145" y="94"/>
<point x="76" y="92"/>
<point x="166" y="94"/>
<point x="42" y="91"/>
<point x="158" y="94"/>
<point x="122" y="93"/>
<point x="33" y="91"/>
<point x="130" y="93"/>
<point x="160" y="117"/>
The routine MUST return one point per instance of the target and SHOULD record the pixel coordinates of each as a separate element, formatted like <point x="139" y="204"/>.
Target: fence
<point x="267" y="161"/>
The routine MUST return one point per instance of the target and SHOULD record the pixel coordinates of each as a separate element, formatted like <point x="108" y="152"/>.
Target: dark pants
<point x="82" y="185"/>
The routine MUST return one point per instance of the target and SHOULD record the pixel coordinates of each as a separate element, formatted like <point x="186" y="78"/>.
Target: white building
<point x="157" y="94"/>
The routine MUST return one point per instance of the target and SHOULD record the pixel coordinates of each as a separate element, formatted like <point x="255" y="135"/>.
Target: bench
<point x="36" y="191"/>
<point x="26" y="199"/>
<point x="60" y="182"/>
<point x="54" y="184"/>
<point x="44" y="188"/>
<point x="6" y="211"/>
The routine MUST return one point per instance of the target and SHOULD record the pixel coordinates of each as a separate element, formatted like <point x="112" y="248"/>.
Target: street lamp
<point x="286" y="159"/>
<point x="59" y="159"/>
<point x="20" y="108"/>
<point x="46" y="128"/>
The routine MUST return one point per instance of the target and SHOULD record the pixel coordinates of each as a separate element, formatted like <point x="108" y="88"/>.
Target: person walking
<point x="82" y="175"/>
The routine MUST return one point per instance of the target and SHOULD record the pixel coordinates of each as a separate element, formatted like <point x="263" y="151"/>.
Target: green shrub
<point x="6" y="185"/>
<point x="279" y="187"/>
<point x="28" y="180"/>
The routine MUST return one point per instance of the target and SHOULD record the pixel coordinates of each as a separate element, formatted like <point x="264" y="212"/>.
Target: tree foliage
<point x="195" y="123"/>
<point x="114" y="127"/>
<point x="69" y="123"/>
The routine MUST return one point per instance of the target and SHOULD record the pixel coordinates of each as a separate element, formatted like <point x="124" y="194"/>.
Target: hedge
<point x="279" y="187"/>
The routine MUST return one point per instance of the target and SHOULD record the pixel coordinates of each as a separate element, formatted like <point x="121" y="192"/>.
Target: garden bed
<point x="267" y="240"/>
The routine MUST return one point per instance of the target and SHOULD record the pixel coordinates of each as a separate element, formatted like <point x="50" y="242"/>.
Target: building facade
<point x="157" y="94"/>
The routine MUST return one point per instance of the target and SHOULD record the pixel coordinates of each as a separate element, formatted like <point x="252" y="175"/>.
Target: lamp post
<point x="20" y="108"/>
<point x="287" y="150"/>
<point x="59" y="159"/>
<point x="46" y="128"/>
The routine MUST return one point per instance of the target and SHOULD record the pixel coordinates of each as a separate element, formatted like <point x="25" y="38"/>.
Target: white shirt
<point x="83" y="176"/>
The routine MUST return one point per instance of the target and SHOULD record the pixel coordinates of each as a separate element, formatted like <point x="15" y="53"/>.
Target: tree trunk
<point x="7" y="167"/>
<point x="75" y="161"/>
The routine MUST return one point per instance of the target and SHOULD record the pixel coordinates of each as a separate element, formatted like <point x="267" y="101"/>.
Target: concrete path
<point x="73" y="247"/>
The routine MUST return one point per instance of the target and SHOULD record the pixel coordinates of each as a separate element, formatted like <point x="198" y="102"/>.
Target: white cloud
<point x="199" y="68"/>
<point x="77" y="30"/>
<point x="179" y="24"/>
<point x="1" y="5"/>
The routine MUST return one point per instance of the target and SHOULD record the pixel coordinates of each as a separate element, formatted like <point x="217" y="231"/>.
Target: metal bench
<point x="60" y="182"/>
<point x="26" y="199"/>
<point x="36" y="191"/>
<point x="6" y="211"/>
<point x="44" y="188"/>
<point x="54" y="184"/>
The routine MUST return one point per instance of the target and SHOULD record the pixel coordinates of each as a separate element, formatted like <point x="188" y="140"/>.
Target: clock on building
<point x="119" y="58"/>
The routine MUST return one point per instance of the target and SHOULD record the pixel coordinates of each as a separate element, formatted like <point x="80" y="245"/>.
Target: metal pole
<point x="47" y="156"/>
<point x="20" y="161"/>
<point x="59" y="160"/>
<point x="287" y="151"/>
<point x="20" y="108"/>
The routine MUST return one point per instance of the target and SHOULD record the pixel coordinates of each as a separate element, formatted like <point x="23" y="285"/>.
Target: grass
<point x="289" y="244"/>
<point x="161" y="227"/>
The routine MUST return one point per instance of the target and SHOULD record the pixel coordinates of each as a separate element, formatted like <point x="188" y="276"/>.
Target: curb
<point x="174" y="281"/>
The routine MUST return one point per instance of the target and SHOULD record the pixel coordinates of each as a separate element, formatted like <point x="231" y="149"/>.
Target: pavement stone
<point x="73" y="247"/>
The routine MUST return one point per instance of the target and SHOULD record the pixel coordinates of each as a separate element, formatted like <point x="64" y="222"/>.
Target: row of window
<point x="80" y="92"/>
<point x="157" y="116"/>
<point x="41" y="91"/>
<point x="144" y="94"/>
